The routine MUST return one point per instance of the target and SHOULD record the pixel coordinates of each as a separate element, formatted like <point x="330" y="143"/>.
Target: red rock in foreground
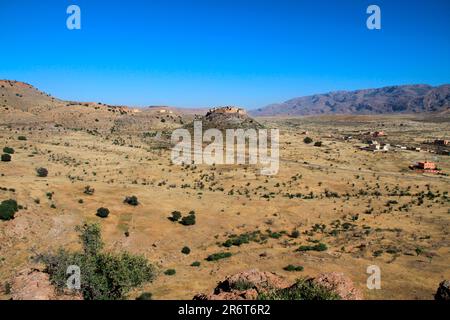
<point x="247" y="285"/>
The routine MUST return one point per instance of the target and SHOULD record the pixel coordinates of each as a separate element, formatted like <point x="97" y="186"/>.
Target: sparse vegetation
<point x="293" y="268"/>
<point x="302" y="290"/>
<point x="317" y="247"/>
<point x="132" y="201"/>
<point x="6" y="157"/>
<point x="8" y="209"/>
<point x="8" y="150"/>
<point x="185" y="250"/>
<point x="102" y="212"/>
<point x="307" y="140"/>
<point x="106" y="275"/>
<point x="218" y="256"/>
<point x="42" y="172"/>
<point x="170" y="272"/>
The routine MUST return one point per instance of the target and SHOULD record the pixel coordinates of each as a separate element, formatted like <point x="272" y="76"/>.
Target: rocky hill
<point x="394" y="99"/>
<point x="21" y="104"/>
<point x="229" y="117"/>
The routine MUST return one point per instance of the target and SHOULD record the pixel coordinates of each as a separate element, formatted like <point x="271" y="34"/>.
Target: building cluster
<point x="375" y="146"/>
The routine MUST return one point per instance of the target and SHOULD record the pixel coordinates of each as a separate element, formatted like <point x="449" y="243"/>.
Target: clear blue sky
<point x="221" y="52"/>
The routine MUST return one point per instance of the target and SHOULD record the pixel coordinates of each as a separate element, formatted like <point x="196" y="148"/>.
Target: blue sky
<point x="198" y="53"/>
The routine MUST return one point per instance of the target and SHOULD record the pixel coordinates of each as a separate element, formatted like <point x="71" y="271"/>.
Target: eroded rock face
<point x="443" y="292"/>
<point x="248" y="285"/>
<point x="340" y="284"/>
<point x="34" y="284"/>
<point x="245" y="285"/>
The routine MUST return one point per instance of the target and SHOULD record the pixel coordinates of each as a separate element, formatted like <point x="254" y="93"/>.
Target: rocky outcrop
<point x="226" y="118"/>
<point x="248" y="285"/>
<point x="340" y="284"/>
<point x="443" y="292"/>
<point x="34" y="284"/>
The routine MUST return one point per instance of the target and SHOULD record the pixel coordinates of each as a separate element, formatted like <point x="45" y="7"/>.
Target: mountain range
<point x="392" y="99"/>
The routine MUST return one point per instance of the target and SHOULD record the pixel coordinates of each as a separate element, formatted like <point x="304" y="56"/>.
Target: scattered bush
<point x="22" y="138"/>
<point x="8" y="208"/>
<point x="293" y="268"/>
<point x="42" y="172"/>
<point x="243" y="285"/>
<point x="295" y="234"/>
<point x="145" y="296"/>
<point x="307" y="140"/>
<point x="317" y="247"/>
<point x="318" y="144"/>
<point x="302" y="290"/>
<point x="133" y="200"/>
<point x="106" y="276"/>
<point x="218" y="256"/>
<point x="176" y="215"/>
<point x="6" y="157"/>
<point x="8" y="150"/>
<point x="102" y="212"/>
<point x="185" y="250"/>
<point x="88" y="190"/>
<point x="170" y="272"/>
<point x="188" y="220"/>
<point x="195" y="264"/>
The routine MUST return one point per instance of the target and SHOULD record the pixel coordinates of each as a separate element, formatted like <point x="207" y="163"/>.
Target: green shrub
<point x="170" y="272"/>
<point x="22" y="138"/>
<point x="8" y="208"/>
<point x="188" y="220"/>
<point x="6" y="157"/>
<point x="218" y="256"/>
<point x="317" y="247"/>
<point x="42" y="172"/>
<point x="295" y="234"/>
<point x="105" y="276"/>
<point x="102" y="212"/>
<point x="195" y="264"/>
<point x="185" y="250"/>
<point x="176" y="215"/>
<point x="307" y="140"/>
<point x="145" y="296"/>
<point x="243" y="285"/>
<point x="293" y="268"/>
<point x="302" y="290"/>
<point x="133" y="200"/>
<point x="318" y="144"/>
<point x="88" y="190"/>
<point x="8" y="150"/>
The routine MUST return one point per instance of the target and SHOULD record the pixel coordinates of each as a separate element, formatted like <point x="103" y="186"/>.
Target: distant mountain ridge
<point x="392" y="99"/>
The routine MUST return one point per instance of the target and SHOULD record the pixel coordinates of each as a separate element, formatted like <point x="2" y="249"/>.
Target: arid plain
<point x="368" y="208"/>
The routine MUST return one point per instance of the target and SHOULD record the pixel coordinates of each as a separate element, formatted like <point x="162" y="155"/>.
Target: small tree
<point x="91" y="239"/>
<point x="307" y="140"/>
<point x="188" y="220"/>
<point x="8" y="150"/>
<point x="8" y="208"/>
<point x="185" y="250"/>
<point x="42" y="172"/>
<point x="102" y="212"/>
<point x="176" y="215"/>
<point x="133" y="200"/>
<point x="6" y="157"/>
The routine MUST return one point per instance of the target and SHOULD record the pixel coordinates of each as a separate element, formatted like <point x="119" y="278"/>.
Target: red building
<point x="426" y="165"/>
